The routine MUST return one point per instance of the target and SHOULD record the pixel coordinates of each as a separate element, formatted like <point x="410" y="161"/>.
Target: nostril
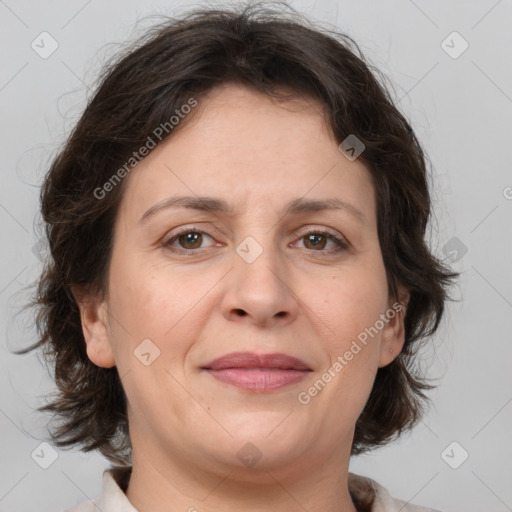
<point x="241" y="312"/>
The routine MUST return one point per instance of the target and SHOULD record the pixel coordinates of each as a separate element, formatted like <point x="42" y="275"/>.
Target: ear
<point x="94" y="317"/>
<point x="393" y="333"/>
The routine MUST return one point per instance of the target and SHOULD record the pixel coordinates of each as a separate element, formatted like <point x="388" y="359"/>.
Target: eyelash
<point x="340" y="242"/>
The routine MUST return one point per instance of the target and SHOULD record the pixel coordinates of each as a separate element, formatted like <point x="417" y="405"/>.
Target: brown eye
<point x="315" y="241"/>
<point x="190" y="240"/>
<point x="318" y="241"/>
<point x="187" y="240"/>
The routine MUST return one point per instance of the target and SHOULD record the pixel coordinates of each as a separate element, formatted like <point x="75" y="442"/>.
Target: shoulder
<point x="375" y="498"/>
<point x="112" y="497"/>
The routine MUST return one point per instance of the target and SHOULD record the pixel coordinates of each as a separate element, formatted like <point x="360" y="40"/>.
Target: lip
<point x="258" y="372"/>
<point x="251" y="360"/>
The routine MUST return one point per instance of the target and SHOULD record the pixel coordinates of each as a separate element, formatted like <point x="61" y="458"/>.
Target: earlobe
<point x="393" y="333"/>
<point x="93" y="315"/>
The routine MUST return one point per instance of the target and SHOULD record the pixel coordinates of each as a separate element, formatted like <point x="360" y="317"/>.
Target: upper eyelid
<point x="296" y="232"/>
<point x="317" y="228"/>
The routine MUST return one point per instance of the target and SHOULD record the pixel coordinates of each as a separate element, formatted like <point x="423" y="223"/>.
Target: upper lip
<point x="253" y="360"/>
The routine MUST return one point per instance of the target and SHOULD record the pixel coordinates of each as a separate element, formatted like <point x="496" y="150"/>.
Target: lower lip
<point x="258" y="379"/>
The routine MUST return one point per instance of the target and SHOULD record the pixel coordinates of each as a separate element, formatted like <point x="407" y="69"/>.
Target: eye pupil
<point x="191" y="238"/>
<point x="316" y="240"/>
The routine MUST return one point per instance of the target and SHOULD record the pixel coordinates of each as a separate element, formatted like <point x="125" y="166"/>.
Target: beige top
<point x="367" y="495"/>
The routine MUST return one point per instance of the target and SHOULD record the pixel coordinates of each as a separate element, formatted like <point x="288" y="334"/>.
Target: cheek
<point x="351" y="302"/>
<point x="145" y="304"/>
<point x="349" y="306"/>
<point x="159" y="302"/>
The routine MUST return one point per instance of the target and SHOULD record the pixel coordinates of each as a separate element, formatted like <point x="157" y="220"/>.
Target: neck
<point x="183" y="485"/>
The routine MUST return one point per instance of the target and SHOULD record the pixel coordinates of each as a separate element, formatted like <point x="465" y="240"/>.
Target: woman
<point x="239" y="279"/>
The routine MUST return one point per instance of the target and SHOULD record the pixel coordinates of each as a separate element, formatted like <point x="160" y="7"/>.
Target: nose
<point x="260" y="292"/>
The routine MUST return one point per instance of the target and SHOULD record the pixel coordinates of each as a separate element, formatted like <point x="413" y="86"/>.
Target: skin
<point x="305" y="300"/>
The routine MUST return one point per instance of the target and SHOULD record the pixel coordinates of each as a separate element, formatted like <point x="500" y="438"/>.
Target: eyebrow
<point x="216" y="205"/>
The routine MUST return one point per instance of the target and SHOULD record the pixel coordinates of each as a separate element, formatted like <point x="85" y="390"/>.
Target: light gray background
<point x="461" y="109"/>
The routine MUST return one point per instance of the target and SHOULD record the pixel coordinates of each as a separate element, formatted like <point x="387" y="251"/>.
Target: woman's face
<point x="265" y="275"/>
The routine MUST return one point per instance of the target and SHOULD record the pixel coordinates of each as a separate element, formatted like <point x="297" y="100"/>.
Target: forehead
<point x="253" y="151"/>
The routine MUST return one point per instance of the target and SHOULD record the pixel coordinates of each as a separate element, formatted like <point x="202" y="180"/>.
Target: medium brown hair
<point x="271" y="51"/>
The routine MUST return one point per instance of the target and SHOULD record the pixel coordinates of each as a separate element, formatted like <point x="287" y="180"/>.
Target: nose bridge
<point x="258" y="244"/>
<point x="258" y="285"/>
<point x="259" y="261"/>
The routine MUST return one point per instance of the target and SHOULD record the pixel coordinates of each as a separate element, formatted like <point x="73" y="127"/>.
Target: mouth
<point x="258" y="372"/>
